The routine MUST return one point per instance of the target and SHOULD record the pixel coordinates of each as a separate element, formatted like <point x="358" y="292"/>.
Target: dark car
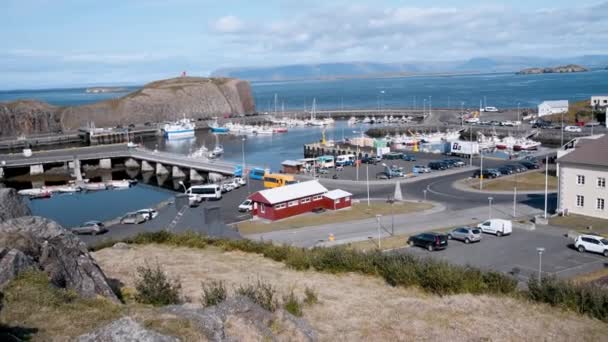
<point x="392" y="156"/>
<point x="517" y="167"/>
<point x="495" y="173"/>
<point x="505" y="170"/>
<point x="429" y="241"/>
<point x="409" y="157"/>
<point x="368" y="160"/>
<point x="486" y="174"/>
<point x="449" y="163"/>
<point x="437" y="166"/>
<point x="530" y="165"/>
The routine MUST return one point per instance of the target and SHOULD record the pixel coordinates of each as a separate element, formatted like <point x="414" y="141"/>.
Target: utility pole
<point x="562" y="144"/>
<point x="546" y="182"/>
<point x="540" y="251"/>
<point x="490" y="207"/>
<point x="378" y="225"/>
<point x="480" y="170"/>
<point x="514" y="200"/>
<point x="367" y="176"/>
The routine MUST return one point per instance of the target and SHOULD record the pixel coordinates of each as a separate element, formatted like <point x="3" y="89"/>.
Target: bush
<point x="213" y="293"/>
<point x="292" y="304"/>
<point x="260" y="293"/>
<point x="311" y="296"/>
<point x="154" y="287"/>
<point x="586" y="299"/>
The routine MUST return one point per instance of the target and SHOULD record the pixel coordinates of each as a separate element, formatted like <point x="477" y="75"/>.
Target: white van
<point x="200" y="192"/>
<point x="496" y="226"/>
<point x="345" y="159"/>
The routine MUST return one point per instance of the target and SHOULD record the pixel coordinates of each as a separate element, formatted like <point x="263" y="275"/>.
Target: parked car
<point x="496" y="226"/>
<point x="133" y="218"/>
<point x="323" y="171"/>
<point x="420" y="169"/>
<point x="90" y="227"/>
<point x="227" y="187"/>
<point x="505" y="170"/>
<point x="517" y="167"/>
<point x="574" y="129"/>
<point x="241" y="181"/>
<point x="466" y="234"/>
<point x="234" y="183"/>
<point x="530" y="165"/>
<point x="486" y="174"/>
<point x="457" y="162"/>
<point x="437" y="166"/>
<point x="246" y="206"/>
<point x="409" y="157"/>
<point x="430" y="241"/>
<point x="392" y="156"/>
<point x="592" y="243"/>
<point x="495" y="173"/>
<point x="148" y="213"/>
<point x="541" y="124"/>
<point x="368" y="160"/>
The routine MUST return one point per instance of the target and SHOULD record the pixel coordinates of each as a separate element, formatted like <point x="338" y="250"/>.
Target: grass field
<point x="529" y="181"/>
<point x="358" y="211"/>
<point x="580" y="223"/>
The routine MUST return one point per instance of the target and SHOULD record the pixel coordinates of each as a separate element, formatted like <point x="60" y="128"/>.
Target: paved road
<point x="516" y="254"/>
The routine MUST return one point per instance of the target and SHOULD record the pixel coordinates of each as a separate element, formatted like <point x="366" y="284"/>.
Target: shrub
<point x="154" y="287"/>
<point x="292" y="304"/>
<point x="213" y="293"/>
<point x="311" y="296"/>
<point x="261" y="293"/>
<point x="587" y="299"/>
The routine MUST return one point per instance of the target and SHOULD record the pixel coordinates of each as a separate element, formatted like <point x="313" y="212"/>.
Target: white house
<point x="583" y="175"/>
<point x="552" y="107"/>
<point x="599" y="100"/>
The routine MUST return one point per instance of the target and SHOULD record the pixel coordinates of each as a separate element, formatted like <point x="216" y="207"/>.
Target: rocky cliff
<point x="12" y="205"/>
<point x="560" y="69"/>
<point x="169" y="99"/>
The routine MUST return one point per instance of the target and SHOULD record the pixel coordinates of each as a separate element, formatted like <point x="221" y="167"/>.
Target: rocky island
<point x="559" y="69"/>
<point x="194" y="97"/>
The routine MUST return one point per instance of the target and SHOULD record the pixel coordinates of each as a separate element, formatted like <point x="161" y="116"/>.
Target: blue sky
<point x="47" y="43"/>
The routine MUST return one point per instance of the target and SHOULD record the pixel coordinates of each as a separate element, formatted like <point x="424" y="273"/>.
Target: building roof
<point x="338" y="193"/>
<point x="289" y="192"/>
<point x="589" y="152"/>
<point x="555" y="104"/>
<point x="291" y="163"/>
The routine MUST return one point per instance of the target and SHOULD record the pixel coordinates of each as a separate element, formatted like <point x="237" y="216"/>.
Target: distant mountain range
<point x="371" y="69"/>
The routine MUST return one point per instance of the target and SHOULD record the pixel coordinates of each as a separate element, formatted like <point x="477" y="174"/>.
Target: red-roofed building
<point x="295" y="199"/>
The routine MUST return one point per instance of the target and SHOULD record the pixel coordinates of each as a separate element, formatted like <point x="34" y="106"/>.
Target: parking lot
<point x="516" y="254"/>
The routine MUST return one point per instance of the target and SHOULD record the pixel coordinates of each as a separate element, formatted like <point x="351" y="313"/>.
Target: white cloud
<point x="228" y="24"/>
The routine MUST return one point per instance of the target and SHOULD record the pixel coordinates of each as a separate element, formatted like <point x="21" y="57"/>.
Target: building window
<point x="292" y="203"/>
<point x="580" y="180"/>
<point x="601" y="182"/>
<point x="262" y="208"/>
<point x="280" y="206"/>
<point x="306" y="200"/>
<point x="599" y="204"/>
<point x="317" y="198"/>
<point x="347" y="199"/>
<point x="580" y="201"/>
<point x="337" y="201"/>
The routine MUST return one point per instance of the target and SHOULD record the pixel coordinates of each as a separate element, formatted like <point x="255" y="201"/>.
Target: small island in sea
<point x="95" y="90"/>
<point x="559" y="69"/>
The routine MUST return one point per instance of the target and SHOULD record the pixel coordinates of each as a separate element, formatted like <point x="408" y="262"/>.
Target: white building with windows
<point x="583" y="174"/>
<point x="599" y="100"/>
<point x="552" y="107"/>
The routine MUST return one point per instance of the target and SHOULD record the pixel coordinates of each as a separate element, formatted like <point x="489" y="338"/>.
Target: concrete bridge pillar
<point x="1" y="172"/>
<point x="131" y="164"/>
<point x="215" y="177"/>
<point x="195" y="176"/>
<point x="146" y="167"/>
<point x="76" y="168"/>
<point x="161" y="169"/>
<point x="105" y="164"/>
<point x="36" y="169"/>
<point x="176" y="172"/>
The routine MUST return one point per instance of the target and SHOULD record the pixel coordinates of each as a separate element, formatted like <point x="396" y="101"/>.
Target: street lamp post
<point x="183" y="185"/>
<point x="546" y="183"/>
<point x="378" y="226"/>
<point x="367" y="181"/>
<point x="562" y="141"/>
<point x="424" y="192"/>
<point x="540" y="251"/>
<point x="430" y="105"/>
<point x="514" y="200"/>
<point x="480" y="170"/>
<point x="490" y="207"/>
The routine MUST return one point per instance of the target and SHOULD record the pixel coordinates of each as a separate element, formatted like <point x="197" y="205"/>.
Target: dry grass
<point x="354" y="308"/>
<point x="592" y="277"/>
<point x="386" y="243"/>
<point x="580" y="223"/>
<point x="358" y="211"/>
<point x="529" y="181"/>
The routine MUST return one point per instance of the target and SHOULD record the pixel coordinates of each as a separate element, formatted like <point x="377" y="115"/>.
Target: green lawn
<point x="529" y="181"/>
<point x="580" y="223"/>
<point x="359" y="211"/>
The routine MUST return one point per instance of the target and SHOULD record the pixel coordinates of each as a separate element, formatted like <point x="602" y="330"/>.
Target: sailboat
<point x="313" y="121"/>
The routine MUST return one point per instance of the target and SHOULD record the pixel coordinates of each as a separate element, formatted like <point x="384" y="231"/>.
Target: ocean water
<point x="500" y="90"/>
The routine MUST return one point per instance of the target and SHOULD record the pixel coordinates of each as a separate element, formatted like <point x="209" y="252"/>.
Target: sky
<point x="59" y="43"/>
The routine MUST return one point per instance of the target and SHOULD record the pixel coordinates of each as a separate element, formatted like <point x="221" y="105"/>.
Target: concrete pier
<point x="146" y="167"/>
<point x="105" y="164"/>
<point x="177" y="172"/>
<point x="196" y="176"/>
<point x="131" y="163"/>
<point x="161" y="169"/>
<point x="36" y="169"/>
<point x="1" y="172"/>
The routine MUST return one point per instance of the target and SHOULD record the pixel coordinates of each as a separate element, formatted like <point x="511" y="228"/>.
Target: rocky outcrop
<point x="239" y="319"/>
<point x="28" y="117"/>
<point x="560" y="69"/>
<point x="42" y="244"/>
<point x="125" y="329"/>
<point x="194" y="97"/>
<point x="12" y="205"/>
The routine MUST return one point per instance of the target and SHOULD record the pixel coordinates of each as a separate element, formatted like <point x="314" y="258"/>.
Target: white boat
<point x="119" y="184"/>
<point x="93" y="186"/>
<point x="526" y="145"/>
<point x="218" y="150"/>
<point x="35" y="193"/>
<point x="506" y="143"/>
<point x="264" y="131"/>
<point x="486" y="143"/>
<point x="183" y="128"/>
<point x="70" y="188"/>
<point x="366" y="120"/>
<point x="352" y="121"/>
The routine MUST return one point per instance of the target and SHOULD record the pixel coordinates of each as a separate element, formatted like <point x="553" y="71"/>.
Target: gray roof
<point x="292" y="163"/>
<point x="591" y="152"/>
<point x="556" y="104"/>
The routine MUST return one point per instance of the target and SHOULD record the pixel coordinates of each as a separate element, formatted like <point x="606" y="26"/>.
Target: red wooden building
<point x="295" y="199"/>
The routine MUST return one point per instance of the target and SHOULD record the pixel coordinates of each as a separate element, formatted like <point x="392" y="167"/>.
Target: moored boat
<point x="183" y="128"/>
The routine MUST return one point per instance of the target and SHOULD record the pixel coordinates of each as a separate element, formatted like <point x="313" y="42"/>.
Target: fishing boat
<point x="506" y="143"/>
<point x="93" y="186"/>
<point x="352" y="121"/>
<point x="279" y="130"/>
<point x="264" y="131"/>
<point x="35" y="193"/>
<point x="216" y="128"/>
<point x="183" y="128"/>
<point x="120" y="184"/>
<point x="218" y="150"/>
<point x="526" y="145"/>
<point x="366" y="120"/>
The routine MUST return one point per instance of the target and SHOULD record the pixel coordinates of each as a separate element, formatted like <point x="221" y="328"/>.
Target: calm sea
<point x="499" y="90"/>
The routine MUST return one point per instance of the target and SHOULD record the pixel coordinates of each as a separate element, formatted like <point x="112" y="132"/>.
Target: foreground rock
<point x="12" y="205"/>
<point x="560" y="69"/>
<point x="194" y="97"/>
<point x="35" y="242"/>
<point x="239" y="319"/>
<point x="125" y="330"/>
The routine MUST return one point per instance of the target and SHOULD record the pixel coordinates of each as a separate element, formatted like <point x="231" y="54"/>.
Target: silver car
<point x="133" y="218"/>
<point x="466" y="234"/>
<point x="90" y="227"/>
